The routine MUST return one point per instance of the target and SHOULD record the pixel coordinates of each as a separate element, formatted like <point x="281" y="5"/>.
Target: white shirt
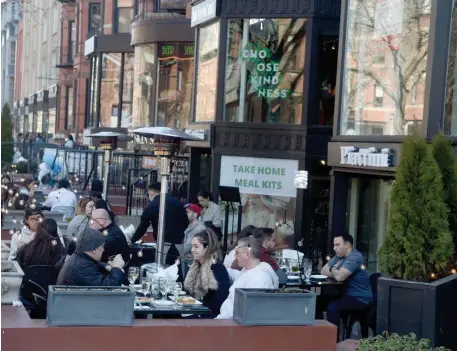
<point x="18" y="240"/>
<point x="260" y="277"/>
<point x="60" y="197"/>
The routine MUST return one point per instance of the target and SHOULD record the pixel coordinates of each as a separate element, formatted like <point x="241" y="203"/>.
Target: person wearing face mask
<point x="69" y="142"/>
<point x="176" y="222"/>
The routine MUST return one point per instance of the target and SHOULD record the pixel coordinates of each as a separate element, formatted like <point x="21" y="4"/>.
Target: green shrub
<point x="418" y="241"/>
<point x="394" y="342"/>
<point x="446" y="158"/>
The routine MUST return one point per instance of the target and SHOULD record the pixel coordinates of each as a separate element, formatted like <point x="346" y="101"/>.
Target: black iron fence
<point x="137" y="196"/>
<point x="79" y="165"/>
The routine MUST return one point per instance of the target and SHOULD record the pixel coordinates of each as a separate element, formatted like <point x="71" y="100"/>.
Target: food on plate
<point x="144" y="299"/>
<point x="186" y="300"/>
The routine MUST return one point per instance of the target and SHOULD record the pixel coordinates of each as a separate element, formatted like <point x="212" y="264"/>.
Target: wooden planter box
<point x="6" y="249"/>
<point x="427" y="309"/>
<point x="11" y="281"/>
<point x="90" y="305"/>
<point x="274" y="307"/>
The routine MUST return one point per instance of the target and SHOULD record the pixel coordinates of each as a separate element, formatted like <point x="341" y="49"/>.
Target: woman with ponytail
<point x="207" y="280"/>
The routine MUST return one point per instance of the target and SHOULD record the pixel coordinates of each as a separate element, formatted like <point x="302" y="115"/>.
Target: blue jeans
<point x="343" y="304"/>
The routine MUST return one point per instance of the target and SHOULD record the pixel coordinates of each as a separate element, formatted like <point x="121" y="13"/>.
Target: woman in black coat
<point x="207" y="280"/>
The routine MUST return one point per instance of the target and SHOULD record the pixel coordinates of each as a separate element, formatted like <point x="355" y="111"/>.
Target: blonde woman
<point x="207" y="279"/>
<point x="84" y="208"/>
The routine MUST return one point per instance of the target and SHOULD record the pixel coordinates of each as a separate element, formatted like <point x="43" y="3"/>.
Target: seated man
<point x="82" y="268"/>
<point x="195" y="226"/>
<point x="61" y="197"/>
<point x="254" y="275"/>
<point x="347" y="265"/>
<point x="116" y="242"/>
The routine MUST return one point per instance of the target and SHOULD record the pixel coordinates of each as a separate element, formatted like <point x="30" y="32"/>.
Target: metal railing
<point x="137" y="195"/>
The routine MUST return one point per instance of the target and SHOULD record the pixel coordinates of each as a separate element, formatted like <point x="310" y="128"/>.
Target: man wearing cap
<point x="83" y="268"/>
<point x="195" y="226"/>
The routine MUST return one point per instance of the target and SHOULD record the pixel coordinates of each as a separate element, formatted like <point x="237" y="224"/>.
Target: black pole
<point x="99" y="88"/>
<point x="128" y="194"/>
<point x="240" y="214"/>
<point x="227" y="208"/>
<point x="121" y="91"/>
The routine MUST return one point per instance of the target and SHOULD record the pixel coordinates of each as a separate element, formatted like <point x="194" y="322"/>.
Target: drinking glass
<point x="146" y="286"/>
<point x="307" y="268"/>
<point x="164" y="288"/>
<point x="134" y="272"/>
<point x="155" y="287"/>
<point x="177" y="290"/>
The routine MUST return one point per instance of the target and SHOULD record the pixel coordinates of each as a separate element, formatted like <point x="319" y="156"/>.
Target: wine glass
<point x="134" y="272"/>
<point x="155" y="287"/>
<point x="307" y="268"/>
<point x="177" y="290"/>
<point x="164" y="288"/>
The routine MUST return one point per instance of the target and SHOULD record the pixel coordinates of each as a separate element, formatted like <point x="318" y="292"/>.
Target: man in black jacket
<point x="116" y="243"/>
<point x="176" y="221"/>
<point x="83" y="268"/>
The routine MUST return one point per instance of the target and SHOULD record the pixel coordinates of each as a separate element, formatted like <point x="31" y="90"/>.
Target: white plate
<point x="162" y="303"/>
<point x="319" y="277"/>
<point x="196" y="303"/>
<point x="293" y="277"/>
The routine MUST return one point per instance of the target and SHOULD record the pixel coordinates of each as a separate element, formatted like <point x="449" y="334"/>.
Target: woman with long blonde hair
<point x="207" y="279"/>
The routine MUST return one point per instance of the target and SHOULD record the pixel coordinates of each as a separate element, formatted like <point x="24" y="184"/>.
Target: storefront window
<point x="39" y="123"/>
<point x="69" y="109"/>
<point x="143" y="87"/>
<point x="384" y="67"/>
<point x="264" y="72"/>
<point x="109" y="95"/>
<point x="208" y="51"/>
<point x="367" y="216"/>
<point x="93" y="92"/>
<point x="51" y="123"/>
<point x="175" y="79"/>
<point x="127" y="92"/>
<point x="450" y="116"/>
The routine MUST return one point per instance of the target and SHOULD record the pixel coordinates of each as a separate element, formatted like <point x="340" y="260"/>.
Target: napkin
<point x="170" y="273"/>
<point x="128" y="232"/>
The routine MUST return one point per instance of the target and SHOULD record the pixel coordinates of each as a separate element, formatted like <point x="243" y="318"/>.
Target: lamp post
<point x="166" y="144"/>
<point x="107" y="141"/>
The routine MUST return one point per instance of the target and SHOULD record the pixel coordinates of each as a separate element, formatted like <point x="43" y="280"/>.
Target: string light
<point x="453" y="271"/>
<point x="105" y="233"/>
<point x="139" y="253"/>
<point x="16" y="195"/>
<point x="32" y="206"/>
<point x="10" y="204"/>
<point x="54" y="242"/>
<point x="22" y="180"/>
<point x="75" y="239"/>
<point x="77" y="179"/>
<point x="433" y="275"/>
<point x="362" y="267"/>
<point x="40" y="220"/>
<point x="123" y="187"/>
<point x="12" y="232"/>
<point x="10" y="191"/>
<point x="14" y="220"/>
<point x="34" y="201"/>
<point x="21" y="202"/>
<point x="328" y="258"/>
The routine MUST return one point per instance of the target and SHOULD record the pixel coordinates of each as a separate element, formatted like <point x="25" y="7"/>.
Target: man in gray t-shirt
<point x="347" y="266"/>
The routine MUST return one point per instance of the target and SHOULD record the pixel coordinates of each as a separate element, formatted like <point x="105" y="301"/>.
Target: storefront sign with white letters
<point x="370" y="157"/>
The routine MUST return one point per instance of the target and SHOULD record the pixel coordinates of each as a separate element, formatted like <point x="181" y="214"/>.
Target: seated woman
<point x="45" y="249"/>
<point x="80" y="222"/>
<point x="207" y="280"/>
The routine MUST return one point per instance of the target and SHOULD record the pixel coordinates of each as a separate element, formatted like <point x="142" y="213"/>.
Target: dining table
<point x="150" y="311"/>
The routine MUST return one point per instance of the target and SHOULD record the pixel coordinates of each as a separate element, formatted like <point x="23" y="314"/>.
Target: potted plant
<point x="285" y="307"/>
<point x="395" y="342"/>
<point x="11" y="281"/>
<point x="417" y="246"/>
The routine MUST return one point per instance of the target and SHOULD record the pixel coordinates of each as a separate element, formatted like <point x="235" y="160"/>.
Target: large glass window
<point x="450" y="116"/>
<point x="93" y="91"/>
<point x="264" y="72"/>
<point x="124" y="13"/>
<point x="385" y="53"/>
<point x="127" y="92"/>
<point x="69" y="109"/>
<point x="109" y="94"/>
<point x="51" y="124"/>
<point x="208" y="51"/>
<point x="39" y="123"/>
<point x="175" y="78"/>
<point x="143" y="88"/>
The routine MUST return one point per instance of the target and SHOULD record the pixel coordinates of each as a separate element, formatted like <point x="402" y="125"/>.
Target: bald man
<point x="116" y="243"/>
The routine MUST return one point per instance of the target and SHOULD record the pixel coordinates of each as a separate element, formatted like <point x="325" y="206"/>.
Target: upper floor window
<point x="94" y="16"/>
<point x="264" y="72"/>
<point x="386" y="47"/>
<point x="123" y="16"/>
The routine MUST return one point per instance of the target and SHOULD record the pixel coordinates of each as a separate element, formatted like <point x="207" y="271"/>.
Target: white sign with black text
<point x="370" y="157"/>
<point x="262" y="176"/>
